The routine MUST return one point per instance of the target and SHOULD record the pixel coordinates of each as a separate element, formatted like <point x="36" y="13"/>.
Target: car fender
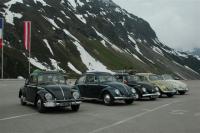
<point x="41" y="94"/>
<point x="109" y="90"/>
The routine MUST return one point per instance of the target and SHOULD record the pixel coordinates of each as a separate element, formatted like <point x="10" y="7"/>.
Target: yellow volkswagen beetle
<point x="165" y="87"/>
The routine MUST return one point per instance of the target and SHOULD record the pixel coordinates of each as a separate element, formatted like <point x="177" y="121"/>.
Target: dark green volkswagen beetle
<point x="103" y="86"/>
<point x="48" y="89"/>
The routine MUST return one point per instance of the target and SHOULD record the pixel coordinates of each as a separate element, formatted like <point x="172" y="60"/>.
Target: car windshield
<point x="51" y="78"/>
<point x="167" y="77"/>
<point x="134" y="78"/>
<point x="106" y="78"/>
<point x="155" y="77"/>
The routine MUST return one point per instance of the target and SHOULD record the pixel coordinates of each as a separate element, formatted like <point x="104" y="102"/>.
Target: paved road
<point x="180" y="114"/>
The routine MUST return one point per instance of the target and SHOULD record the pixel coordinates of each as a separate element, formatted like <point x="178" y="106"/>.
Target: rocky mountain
<point x="78" y="35"/>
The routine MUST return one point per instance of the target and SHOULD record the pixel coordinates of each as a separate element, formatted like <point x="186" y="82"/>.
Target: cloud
<point x="176" y="22"/>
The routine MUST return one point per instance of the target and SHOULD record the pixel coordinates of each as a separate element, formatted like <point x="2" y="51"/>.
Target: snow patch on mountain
<point x="104" y="43"/>
<point x="81" y="18"/>
<point x="70" y="35"/>
<point x="135" y="56"/>
<point x="138" y="49"/>
<point x="157" y="50"/>
<point x="36" y="63"/>
<point x="65" y="15"/>
<point x="80" y="3"/>
<point x="89" y="61"/>
<point x="9" y="15"/>
<point x="48" y="46"/>
<point x="73" y="3"/>
<point x="107" y="40"/>
<point x="52" y="22"/>
<point x="42" y="2"/>
<point x="60" y="20"/>
<point x="73" y="68"/>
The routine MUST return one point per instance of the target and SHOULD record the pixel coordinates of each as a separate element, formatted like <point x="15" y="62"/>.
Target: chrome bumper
<point x="157" y="94"/>
<point x="171" y="92"/>
<point x="126" y="98"/>
<point x="61" y="103"/>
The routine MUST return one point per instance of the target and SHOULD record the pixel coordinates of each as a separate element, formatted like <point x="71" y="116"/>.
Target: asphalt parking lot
<point x="180" y="114"/>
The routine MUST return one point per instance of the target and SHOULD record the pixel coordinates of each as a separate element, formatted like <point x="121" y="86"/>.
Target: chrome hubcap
<point x="107" y="98"/>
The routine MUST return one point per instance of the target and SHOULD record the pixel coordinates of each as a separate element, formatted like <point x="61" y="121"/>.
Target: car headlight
<point x="156" y="88"/>
<point x="48" y="96"/>
<point x="144" y="89"/>
<point x="76" y="95"/>
<point x="133" y="90"/>
<point x="117" y="91"/>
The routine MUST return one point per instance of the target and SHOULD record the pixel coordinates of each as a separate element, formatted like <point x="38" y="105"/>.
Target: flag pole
<point x="30" y="50"/>
<point x="2" y="51"/>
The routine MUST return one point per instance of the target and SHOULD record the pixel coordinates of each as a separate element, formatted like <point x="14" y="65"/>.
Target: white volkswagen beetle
<point x="180" y="87"/>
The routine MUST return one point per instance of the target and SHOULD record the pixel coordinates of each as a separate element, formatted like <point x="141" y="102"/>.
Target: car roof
<point x="98" y="73"/>
<point x="122" y="74"/>
<point x="39" y="72"/>
<point x="145" y="74"/>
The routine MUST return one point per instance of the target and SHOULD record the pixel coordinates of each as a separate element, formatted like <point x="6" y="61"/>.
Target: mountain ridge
<point x="79" y="35"/>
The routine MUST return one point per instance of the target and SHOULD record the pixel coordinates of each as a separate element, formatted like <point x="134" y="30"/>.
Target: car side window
<point x="33" y="79"/>
<point x="91" y="79"/>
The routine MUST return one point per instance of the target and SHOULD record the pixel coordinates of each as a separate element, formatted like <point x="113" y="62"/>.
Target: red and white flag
<point x="1" y="33"/>
<point x="27" y="35"/>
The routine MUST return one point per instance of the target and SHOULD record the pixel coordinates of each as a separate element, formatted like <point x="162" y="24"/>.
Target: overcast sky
<point x="176" y="22"/>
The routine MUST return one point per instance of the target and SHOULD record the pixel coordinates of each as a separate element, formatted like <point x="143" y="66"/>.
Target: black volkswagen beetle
<point x="103" y="86"/>
<point x="144" y="90"/>
<point x="47" y="89"/>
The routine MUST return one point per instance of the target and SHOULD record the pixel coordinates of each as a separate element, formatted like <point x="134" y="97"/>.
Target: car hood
<point x="123" y="88"/>
<point x="177" y="84"/>
<point x="60" y="92"/>
<point x="150" y="87"/>
<point x="163" y="85"/>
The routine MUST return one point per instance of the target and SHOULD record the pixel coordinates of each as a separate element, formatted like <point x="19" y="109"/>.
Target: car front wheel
<point x="40" y="105"/>
<point x="130" y="101"/>
<point x="75" y="108"/>
<point x="107" y="99"/>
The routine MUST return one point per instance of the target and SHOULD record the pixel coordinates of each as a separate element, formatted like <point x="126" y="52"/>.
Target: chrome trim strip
<point x="62" y="91"/>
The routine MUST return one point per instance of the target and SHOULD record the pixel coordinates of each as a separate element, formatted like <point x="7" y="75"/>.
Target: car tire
<point x="40" y="105"/>
<point x="170" y="95"/>
<point x="129" y="101"/>
<point x="107" y="99"/>
<point x="75" y="108"/>
<point x="181" y="92"/>
<point x="22" y="100"/>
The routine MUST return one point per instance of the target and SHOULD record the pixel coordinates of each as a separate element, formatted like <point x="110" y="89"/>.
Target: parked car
<point x="47" y="89"/>
<point x="143" y="89"/>
<point x="180" y="87"/>
<point x="165" y="87"/>
<point x="103" y="86"/>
